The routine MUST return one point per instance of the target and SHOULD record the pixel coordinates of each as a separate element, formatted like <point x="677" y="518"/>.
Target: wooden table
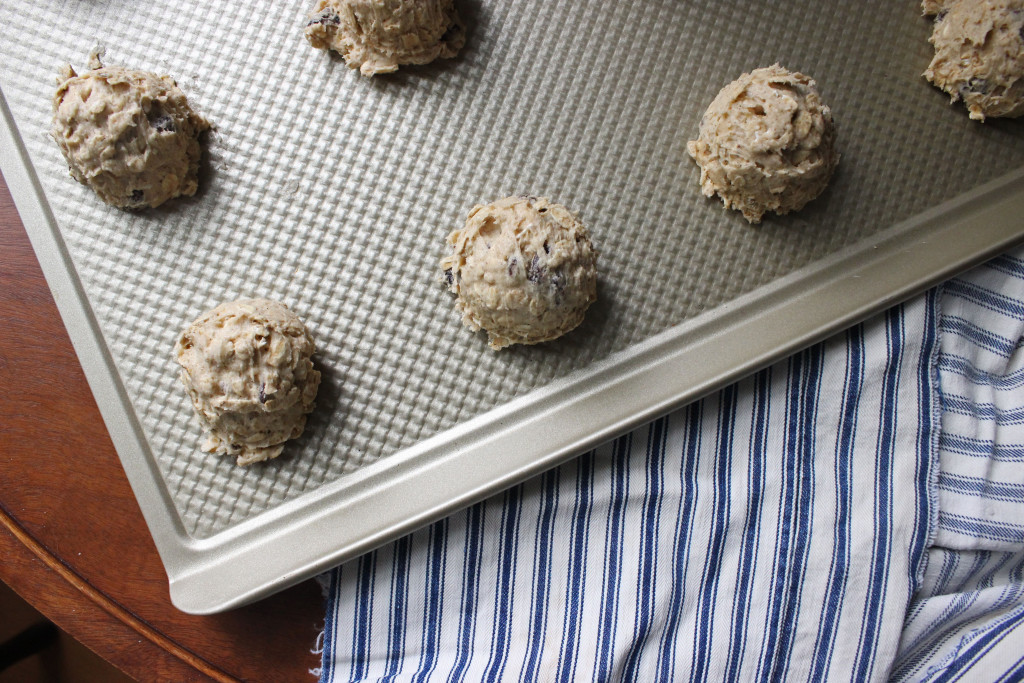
<point x="72" y="539"/>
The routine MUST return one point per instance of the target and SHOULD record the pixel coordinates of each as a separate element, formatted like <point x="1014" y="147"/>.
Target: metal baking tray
<point x="334" y="193"/>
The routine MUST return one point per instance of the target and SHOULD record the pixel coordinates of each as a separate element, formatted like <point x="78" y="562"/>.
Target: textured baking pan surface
<point x="334" y="193"/>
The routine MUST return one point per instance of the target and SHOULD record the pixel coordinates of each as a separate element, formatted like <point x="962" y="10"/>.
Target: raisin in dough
<point x="129" y="135"/>
<point x="766" y="143"/>
<point x="523" y="269"/>
<point x="979" y="54"/>
<point x="246" y="366"/>
<point x="376" y="36"/>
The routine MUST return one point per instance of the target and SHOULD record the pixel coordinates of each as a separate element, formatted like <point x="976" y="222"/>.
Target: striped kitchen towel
<point x="785" y="528"/>
<point x="967" y="620"/>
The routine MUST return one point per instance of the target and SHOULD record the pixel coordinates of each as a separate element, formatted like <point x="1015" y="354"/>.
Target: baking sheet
<point x="334" y="193"/>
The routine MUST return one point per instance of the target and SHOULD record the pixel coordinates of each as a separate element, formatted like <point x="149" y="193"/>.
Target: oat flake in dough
<point x="246" y="366"/>
<point x="523" y="269"/>
<point x="979" y="54"/>
<point x="129" y="135"/>
<point x="376" y="36"/>
<point x="766" y="143"/>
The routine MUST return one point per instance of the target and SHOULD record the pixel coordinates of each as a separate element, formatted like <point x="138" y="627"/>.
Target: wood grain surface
<point x="73" y="542"/>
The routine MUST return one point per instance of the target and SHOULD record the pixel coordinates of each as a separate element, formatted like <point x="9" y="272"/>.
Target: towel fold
<point x="967" y="620"/>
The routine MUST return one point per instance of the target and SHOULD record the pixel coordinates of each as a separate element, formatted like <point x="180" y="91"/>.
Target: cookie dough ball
<point x="766" y="143"/>
<point x="979" y="54"/>
<point x="129" y="135"/>
<point x="376" y="36"/>
<point x="246" y="365"/>
<point x="523" y="269"/>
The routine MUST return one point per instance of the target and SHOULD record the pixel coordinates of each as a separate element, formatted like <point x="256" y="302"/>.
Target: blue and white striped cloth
<point x="966" y="621"/>
<point x="855" y="512"/>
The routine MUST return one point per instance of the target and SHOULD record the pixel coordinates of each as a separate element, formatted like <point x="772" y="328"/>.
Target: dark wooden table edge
<point x="70" y="600"/>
